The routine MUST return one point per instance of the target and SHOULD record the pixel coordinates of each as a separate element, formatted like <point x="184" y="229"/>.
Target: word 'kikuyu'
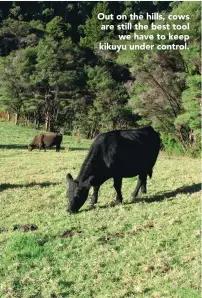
<point x="111" y="47"/>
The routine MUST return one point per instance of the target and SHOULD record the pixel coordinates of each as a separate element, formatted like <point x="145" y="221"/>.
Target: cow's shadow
<point x="171" y="194"/>
<point x="26" y="185"/>
<point x="13" y="146"/>
<point x="78" y="149"/>
<point x="25" y="147"/>
<point x="157" y="198"/>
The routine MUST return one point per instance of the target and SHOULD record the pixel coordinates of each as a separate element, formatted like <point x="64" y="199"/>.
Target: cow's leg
<point x="40" y="146"/>
<point x="95" y="195"/>
<point x="142" y="181"/>
<point x="44" y="147"/>
<point x="58" y="148"/>
<point x="117" y="186"/>
<point x="144" y="187"/>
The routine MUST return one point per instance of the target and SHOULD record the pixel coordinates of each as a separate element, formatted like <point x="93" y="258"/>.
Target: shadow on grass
<point x="77" y="149"/>
<point x="181" y="190"/>
<point x="163" y="196"/>
<point x="18" y="146"/>
<point x="32" y="184"/>
<point x="13" y="146"/>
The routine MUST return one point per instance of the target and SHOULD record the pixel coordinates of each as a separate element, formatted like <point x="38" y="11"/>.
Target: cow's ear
<point x="69" y="177"/>
<point x="88" y="183"/>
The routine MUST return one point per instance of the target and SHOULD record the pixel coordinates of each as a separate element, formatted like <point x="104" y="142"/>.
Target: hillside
<point x="147" y="249"/>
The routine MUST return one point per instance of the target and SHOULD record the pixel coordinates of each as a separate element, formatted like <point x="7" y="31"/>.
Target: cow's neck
<point x="90" y="164"/>
<point x="87" y="170"/>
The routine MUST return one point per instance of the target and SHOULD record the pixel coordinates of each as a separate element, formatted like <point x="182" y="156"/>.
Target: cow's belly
<point x="50" y="144"/>
<point x="129" y="170"/>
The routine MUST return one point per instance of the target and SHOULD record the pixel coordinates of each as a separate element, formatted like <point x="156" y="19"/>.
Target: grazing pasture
<point x="147" y="249"/>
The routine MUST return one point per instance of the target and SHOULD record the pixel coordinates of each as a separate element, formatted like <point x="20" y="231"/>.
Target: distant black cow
<point x="43" y="140"/>
<point x="115" y="154"/>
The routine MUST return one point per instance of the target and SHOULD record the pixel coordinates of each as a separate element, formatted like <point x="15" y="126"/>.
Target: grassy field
<point x="147" y="249"/>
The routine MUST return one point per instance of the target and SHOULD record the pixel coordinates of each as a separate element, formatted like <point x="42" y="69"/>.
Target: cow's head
<point x="77" y="193"/>
<point x="31" y="147"/>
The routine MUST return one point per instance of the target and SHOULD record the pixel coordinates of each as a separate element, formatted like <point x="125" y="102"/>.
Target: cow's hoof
<point x="133" y="200"/>
<point x="91" y="203"/>
<point x="118" y="202"/>
<point x="92" y="206"/>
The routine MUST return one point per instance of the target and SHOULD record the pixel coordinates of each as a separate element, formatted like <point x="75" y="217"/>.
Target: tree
<point x="161" y="78"/>
<point x="58" y="72"/>
<point x="92" y="29"/>
<point x="190" y="119"/>
<point x="15" y="35"/>
<point x="108" y="101"/>
<point x="14" y="83"/>
<point x="156" y="91"/>
<point x="57" y="29"/>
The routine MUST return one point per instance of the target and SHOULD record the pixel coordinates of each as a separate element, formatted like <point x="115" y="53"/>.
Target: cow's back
<point x="129" y="152"/>
<point x="37" y="139"/>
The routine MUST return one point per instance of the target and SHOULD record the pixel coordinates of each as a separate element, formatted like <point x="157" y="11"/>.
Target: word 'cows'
<point x="43" y="140"/>
<point x="115" y="154"/>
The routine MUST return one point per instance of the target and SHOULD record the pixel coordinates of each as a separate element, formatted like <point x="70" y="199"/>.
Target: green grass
<point x="147" y="249"/>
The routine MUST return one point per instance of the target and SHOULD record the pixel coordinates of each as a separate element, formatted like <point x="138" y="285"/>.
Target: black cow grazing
<point x="43" y="140"/>
<point x="116" y="154"/>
